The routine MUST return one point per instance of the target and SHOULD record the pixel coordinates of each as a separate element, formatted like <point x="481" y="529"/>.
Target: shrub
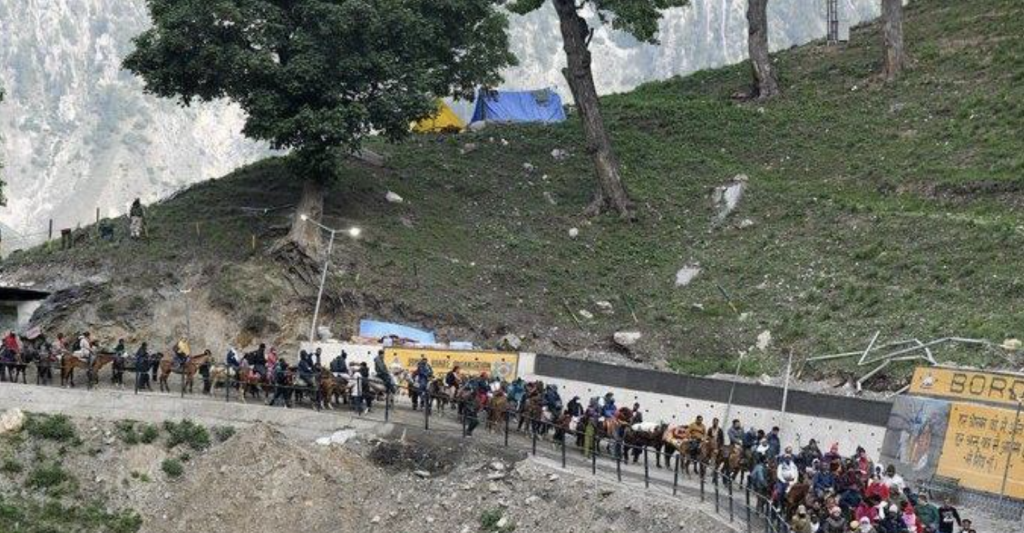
<point x="172" y="467"/>
<point x="149" y="434"/>
<point x="11" y="466"/>
<point x="51" y="478"/>
<point x="126" y="432"/>
<point x="490" y="522"/>
<point x="141" y="476"/>
<point x="57" y="428"/>
<point x="187" y="432"/>
<point x="223" y="433"/>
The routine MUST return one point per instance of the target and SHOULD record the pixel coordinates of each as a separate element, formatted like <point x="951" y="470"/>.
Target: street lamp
<point x="353" y="232"/>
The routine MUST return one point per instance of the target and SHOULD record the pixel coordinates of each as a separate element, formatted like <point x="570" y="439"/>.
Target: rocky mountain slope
<point x="78" y="134"/>
<point x="860" y="206"/>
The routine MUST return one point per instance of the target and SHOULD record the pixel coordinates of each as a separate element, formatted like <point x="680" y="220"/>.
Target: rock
<point x="558" y="154"/>
<point x="727" y="197"/>
<point x="510" y="342"/>
<point x="1010" y="345"/>
<point x="605" y="307"/>
<point x="528" y="167"/>
<point x="550" y="198"/>
<point x="553" y="477"/>
<point x="495" y="476"/>
<point x="493" y="487"/>
<point x="498" y="466"/>
<point x="422" y="474"/>
<point x="764" y="339"/>
<point x="478" y="126"/>
<point x="574" y="232"/>
<point x="531" y="500"/>
<point x="606" y="492"/>
<point x="369" y="157"/>
<point x="744" y="316"/>
<point x="686" y="274"/>
<point x="587" y="315"/>
<point x="626" y="339"/>
<point x="745" y="223"/>
<point x="375" y="519"/>
<point x="468" y="148"/>
<point x="338" y="437"/>
<point x="393" y="198"/>
<point x="12" y="421"/>
<point x="502" y="523"/>
<point x="697" y="307"/>
<point x="430" y="519"/>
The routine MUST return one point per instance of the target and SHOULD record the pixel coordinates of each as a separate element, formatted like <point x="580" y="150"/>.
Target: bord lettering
<point x="991" y="387"/>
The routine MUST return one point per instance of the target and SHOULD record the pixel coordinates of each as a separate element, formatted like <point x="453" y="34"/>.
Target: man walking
<point x="136" y="219"/>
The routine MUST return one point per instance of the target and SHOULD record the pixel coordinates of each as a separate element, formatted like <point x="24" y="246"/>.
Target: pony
<point x="641" y="436"/>
<point x="188" y="370"/>
<point x="70" y="362"/>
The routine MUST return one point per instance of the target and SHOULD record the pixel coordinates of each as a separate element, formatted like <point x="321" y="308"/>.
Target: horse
<point x="497" y="411"/>
<point x="12" y="365"/>
<point x="188" y="370"/>
<point x="736" y="461"/>
<point x="221" y="375"/>
<point x="71" y="361"/>
<point x="251" y="383"/>
<point x="117" y="371"/>
<point x="438" y="393"/>
<point x="678" y="439"/>
<point x="641" y="436"/>
<point x="45" y="361"/>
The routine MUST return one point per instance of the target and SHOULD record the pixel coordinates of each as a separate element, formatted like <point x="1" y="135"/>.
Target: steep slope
<point x="871" y="206"/>
<point x="79" y="134"/>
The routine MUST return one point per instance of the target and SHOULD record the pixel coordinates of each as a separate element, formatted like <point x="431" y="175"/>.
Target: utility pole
<point x="785" y="388"/>
<point x="188" y="314"/>
<point x="732" y="390"/>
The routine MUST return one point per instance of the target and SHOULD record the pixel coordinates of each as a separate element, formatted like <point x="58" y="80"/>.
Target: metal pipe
<point x="870" y="346"/>
<point x="323" y="280"/>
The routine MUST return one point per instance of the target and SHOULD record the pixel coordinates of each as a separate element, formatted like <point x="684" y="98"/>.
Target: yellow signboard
<point x="503" y="365"/>
<point x="979" y="440"/>
<point x="969" y="385"/>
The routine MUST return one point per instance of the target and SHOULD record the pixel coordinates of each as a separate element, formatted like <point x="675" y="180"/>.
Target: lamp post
<point x="352" y="232"/>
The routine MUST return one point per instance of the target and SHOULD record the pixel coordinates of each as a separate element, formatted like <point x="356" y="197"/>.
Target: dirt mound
<point x="260" y="481"/>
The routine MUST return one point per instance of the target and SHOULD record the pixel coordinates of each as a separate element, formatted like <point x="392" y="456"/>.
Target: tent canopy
<point x="445" y="121"/>
<point x="377" y="329"/>
<point x="519" y="106"/>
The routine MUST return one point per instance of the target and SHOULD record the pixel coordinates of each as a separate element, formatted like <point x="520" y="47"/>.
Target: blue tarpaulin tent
<point x="373" y="328"/>
<point x="519" y="106"/>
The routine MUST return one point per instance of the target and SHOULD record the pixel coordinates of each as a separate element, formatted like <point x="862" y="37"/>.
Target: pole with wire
<point x="352" y="232"/>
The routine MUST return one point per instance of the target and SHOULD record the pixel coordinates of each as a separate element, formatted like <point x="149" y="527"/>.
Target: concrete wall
<point x="678" y="399"/>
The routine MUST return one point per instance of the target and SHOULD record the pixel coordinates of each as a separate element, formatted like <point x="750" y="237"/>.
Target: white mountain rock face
<point x="78" y="133"/>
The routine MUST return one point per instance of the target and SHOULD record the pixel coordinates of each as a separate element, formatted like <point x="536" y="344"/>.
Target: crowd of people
<point x="815" y="491"/>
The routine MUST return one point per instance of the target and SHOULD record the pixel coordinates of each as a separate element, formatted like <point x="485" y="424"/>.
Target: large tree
<point x="766" y="84"/>
<point x="319" y="76"/>
<point x="637" y="17"/>
<point x="892" y="36"/>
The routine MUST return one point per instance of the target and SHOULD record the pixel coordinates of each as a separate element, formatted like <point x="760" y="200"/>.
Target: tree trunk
<point x="892" y="32"/>
<point x="306" y="235"/>
<point x="611" y="191"/>
<point x="766" y="85"/>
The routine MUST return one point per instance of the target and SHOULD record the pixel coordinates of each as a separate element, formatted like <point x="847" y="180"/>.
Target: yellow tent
<point x="445" y="121"/>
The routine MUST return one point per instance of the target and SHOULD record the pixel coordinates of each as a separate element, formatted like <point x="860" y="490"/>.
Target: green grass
<point x="20" y="514"/>
<point x="149" y="433"/>
<point x="173" y="468"/>
<point x="187" y="433"/>
<point x="56" y="428"/>
<point x="52" y="479"/>
<point x="893" y="207"/>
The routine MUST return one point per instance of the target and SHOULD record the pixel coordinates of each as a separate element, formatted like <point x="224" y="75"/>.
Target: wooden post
<point x="197" y="229"/>
<point x="254" y="242"/>
<point x="97" y="215"/>
<point x="49" y="234"/>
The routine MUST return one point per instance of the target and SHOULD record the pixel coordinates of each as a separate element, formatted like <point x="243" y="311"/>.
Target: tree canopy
<point x="319" y="76"/>
<point x="639" y="18"/>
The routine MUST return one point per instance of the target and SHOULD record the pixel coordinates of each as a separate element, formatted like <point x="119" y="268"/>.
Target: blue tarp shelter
<point x="373" y="328"/>
<point x="519" y="106"/>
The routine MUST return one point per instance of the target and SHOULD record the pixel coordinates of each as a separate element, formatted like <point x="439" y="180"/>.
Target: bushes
<point x="187" y="432"/>
<point x="52" y="479"/>
<point x="148" y="434"/>
<point x="126" y="432"/>
<point x="57" y="428"/>
<point x="11" y="466"/>
<point x="173" y="468"/>
<point x="223" y="433"/>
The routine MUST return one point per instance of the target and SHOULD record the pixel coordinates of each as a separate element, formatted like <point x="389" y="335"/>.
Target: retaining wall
<point x="678" y="399"/>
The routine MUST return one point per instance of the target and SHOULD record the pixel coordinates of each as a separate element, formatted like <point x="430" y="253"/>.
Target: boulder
<point x="605" y="307"/>
<point x="528" y="167"/>
<point x="468" y="148"/>
<point x="686" y="274"/>
<point x="726" y="198"/>
<point x="11" y="421"/>
<point x="558" y="154"/>
<point x="393" y="198"/>
<point x="574" y="232"/>
<point x="626" y="339"/>
<point x="586" y="315"/>
<point x="477" y="126"/>
<point x="764" y="340"/>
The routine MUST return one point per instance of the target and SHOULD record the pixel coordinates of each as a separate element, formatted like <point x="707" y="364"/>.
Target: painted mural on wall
<point x="916" y="431"/>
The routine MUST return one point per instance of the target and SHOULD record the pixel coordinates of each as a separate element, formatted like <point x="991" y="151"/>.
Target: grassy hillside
<point x="893" y="207"/>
